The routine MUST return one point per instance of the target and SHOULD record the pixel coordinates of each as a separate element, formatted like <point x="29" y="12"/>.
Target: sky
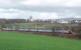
<point x="40" y="9"/>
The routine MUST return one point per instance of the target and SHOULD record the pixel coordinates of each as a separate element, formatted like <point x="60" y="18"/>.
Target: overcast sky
<point x="40" y="9"/>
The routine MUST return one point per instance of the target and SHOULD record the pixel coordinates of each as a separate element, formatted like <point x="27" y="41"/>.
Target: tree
<point x="73" y="21"/>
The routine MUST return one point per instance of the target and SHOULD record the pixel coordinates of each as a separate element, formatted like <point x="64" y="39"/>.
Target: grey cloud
<point x="61" y="11"/>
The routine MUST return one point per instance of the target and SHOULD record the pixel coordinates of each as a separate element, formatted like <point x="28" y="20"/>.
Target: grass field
<point x="22" y="41"/>
<point x="39" y="25"/>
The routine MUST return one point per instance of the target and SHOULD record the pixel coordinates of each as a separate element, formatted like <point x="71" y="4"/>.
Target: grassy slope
<point x="18" y="41"/>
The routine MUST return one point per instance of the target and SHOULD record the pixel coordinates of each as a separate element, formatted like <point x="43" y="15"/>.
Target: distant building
<point x="62" y="21"/>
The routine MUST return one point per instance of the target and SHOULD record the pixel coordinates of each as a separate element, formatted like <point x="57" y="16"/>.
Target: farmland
<point x="29" y="41"/>
<point x="39" y="25"/>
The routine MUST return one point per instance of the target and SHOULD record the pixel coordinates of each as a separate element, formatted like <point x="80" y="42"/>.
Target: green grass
<point x="43" y="25"/>
<point x="20" y="41"/>
<point x="39" y="25"/>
